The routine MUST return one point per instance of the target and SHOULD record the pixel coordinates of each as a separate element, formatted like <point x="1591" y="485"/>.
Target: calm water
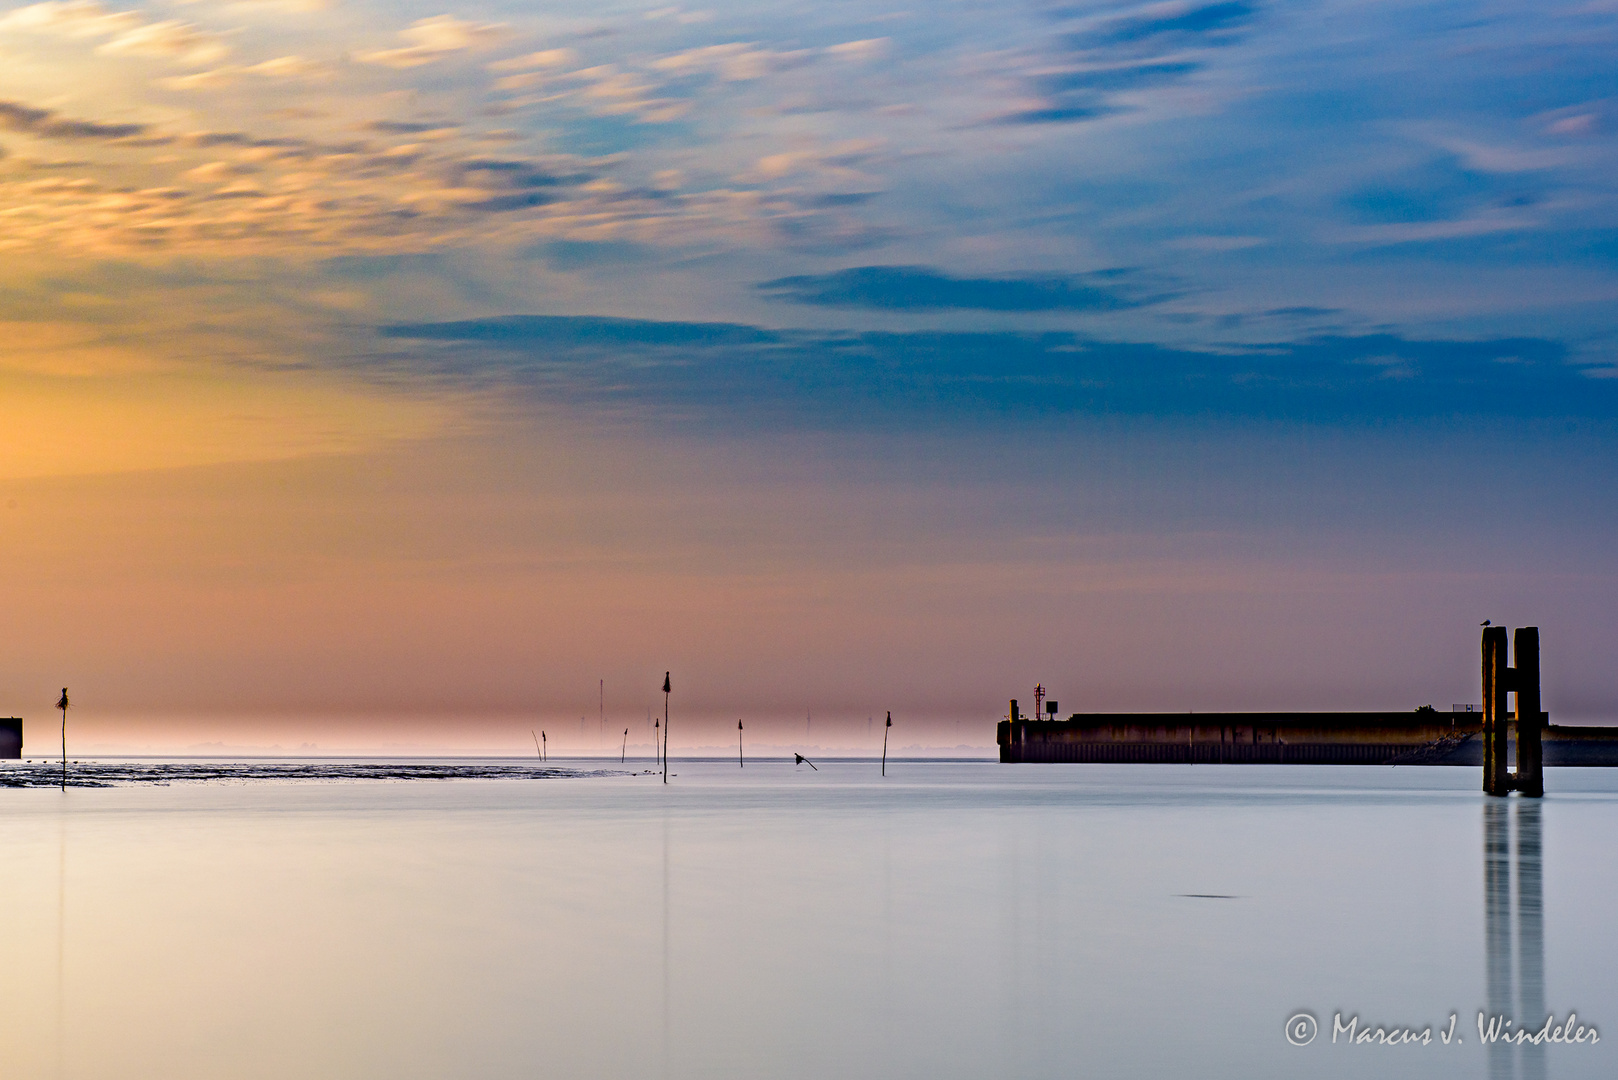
<point x="958" y="920"/>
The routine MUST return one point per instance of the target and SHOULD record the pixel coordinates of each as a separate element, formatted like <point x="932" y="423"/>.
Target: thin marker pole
<point x="625" y="748"/>
<point x="741" y="763"/>
<point x="885" y="745"/>
<point x="544" y="747"/>
<point x="62" y="704"/>
<point x="666" y="688"/>
<point x="537" y="749"/>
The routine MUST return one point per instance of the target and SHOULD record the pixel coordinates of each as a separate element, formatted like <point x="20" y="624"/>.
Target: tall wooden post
<point x="1496" y="684"/>
<point x="1530" y="720"/>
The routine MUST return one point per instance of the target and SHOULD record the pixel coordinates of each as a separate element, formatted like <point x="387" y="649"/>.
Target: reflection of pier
<point x="1423" y="737"/>
<point x="1514" y="933"/>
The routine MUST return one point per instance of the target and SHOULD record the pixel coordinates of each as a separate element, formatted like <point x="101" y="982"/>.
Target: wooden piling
<point x="1530" y="720"/>
<point x="1496" y="685"/>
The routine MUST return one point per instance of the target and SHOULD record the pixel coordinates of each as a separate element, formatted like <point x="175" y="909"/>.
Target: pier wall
<point x="1336" y="738"/>
<point x="10" y="737"/>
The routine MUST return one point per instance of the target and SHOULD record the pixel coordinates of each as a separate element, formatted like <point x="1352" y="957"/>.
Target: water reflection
<point x="1514" y="930"/>
<point x="61" y="941"/>
<point x="664" y="1056"/>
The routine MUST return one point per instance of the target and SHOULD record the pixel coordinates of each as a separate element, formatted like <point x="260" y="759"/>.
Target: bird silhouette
<point x="804" y="761"/>
<point x="1485" y="622"/>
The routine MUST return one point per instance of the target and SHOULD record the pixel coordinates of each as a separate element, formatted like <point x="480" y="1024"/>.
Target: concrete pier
<point x="1286" y="738"/>
<point x="1422" y="737"/>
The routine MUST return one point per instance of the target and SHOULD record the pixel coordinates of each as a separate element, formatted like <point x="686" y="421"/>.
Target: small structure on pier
<point x="11" y="737"/>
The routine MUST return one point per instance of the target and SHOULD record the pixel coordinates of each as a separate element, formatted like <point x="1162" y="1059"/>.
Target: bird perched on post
<point x="1485" y="622"/>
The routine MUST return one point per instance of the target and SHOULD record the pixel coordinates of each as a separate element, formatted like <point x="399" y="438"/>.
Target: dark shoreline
<point x="109" y="774"/>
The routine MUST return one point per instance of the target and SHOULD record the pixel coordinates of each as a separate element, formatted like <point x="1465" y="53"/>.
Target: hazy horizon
<point x="384" y="367"/>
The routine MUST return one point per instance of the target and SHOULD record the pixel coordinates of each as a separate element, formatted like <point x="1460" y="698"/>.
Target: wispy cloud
<point x="1237" y="148"/>
<point x="733" y="373"/>
<point x="281" y="67"/>
<point x="15" y="116"/>
<point x="733" y="61"/>
<point x="433" y="39"/>
<point x="127" y="32"/>
<point x="920" y="288"/>
<point x="71" y="18"/>
<point x="1097" y="60"/>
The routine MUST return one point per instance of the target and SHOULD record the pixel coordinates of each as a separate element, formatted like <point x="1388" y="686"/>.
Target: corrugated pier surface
<point x="1280" y="738"/>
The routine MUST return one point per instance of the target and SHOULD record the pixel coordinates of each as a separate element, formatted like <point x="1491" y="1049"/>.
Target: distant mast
<point x="62" y="704"/>
<point x="885" y="744"/>
<point x="666" y="689"/>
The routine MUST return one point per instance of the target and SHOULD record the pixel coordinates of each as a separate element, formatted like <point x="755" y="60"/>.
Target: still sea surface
<point x="957" y="919"/>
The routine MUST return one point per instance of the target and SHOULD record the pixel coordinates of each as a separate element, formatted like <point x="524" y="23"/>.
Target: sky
<point x="382" y="376"/>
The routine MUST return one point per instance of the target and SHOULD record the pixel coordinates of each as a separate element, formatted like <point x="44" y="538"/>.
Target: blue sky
<point x="1294" y="319"/>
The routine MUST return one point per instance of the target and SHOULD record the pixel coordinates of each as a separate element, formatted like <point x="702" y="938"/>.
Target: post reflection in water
<point x="1514" y="932"/>
<point x="61" y="943"/>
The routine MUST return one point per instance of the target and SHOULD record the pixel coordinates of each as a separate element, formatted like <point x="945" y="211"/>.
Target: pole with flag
<point x="62" y="704"/>
<point x="885" y="745"/>
<point x="666" y="688"/>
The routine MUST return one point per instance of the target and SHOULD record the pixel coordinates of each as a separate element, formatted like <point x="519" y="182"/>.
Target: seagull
<point x="804" y="761"/>
<point x="1485" y="622"/>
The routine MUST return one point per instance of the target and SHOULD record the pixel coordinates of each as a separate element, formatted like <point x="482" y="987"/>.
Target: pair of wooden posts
<point x="1500" y="679"/>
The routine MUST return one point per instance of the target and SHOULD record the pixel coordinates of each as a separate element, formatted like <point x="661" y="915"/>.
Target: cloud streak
<point x="732" y="373"/>
<point x="920" y="288"/>
<point x="1240" y="153"/>
<point x="45" y="123"/>
<point x="1097" y="63"/>
<point x="431" y="40"/>
<point x="128" y="32"/>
